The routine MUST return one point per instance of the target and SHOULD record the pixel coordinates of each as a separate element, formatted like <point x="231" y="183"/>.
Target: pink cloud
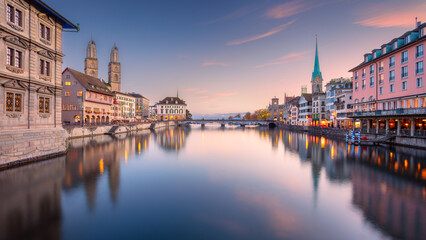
<point x="201" y="91"/>
<point x="401" y="17"/>
<point x="287" y="9"/>
<point x="260" y="36"/>
<point x="227" y="94"/>
<point x="292" y="57"/>
<point x="209" y="100"/>
<point x="204" y="96"/>
<point x="235" y="14"/>
<point x="206" y="64"/>
<point x="190" y="90"/>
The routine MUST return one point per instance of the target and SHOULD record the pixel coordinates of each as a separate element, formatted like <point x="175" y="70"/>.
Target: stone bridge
<point x="223" y="122"/>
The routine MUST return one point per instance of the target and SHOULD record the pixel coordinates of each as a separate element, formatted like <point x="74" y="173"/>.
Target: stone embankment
<point x="406" y="141"/>
<point x="18" y="147"/>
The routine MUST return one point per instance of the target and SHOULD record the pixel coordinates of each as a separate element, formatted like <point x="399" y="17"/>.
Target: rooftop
<point x="90" y="83"/>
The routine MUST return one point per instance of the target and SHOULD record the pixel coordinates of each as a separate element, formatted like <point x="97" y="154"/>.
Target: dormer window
<point x="422" y="32"/>
<point x="395" y="44"/>
<point x="44" y="32"/>
<point x="407" y="39"/>
<point x="384" y="50"/>
<point x="14" y="15"/>
<point x="366" y="59"/>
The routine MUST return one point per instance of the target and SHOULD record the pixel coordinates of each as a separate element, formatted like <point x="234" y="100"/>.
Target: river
<point x="213" y="183"/>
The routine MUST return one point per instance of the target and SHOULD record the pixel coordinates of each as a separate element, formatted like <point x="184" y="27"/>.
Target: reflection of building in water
<point x="89" y="158"/>
<point x="395" y="205"/>
<point x="30" y="201"/>
<point x="172" y="139"/>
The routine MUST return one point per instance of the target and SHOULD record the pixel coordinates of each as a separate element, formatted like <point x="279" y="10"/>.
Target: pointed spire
<point x="317" y="70"/>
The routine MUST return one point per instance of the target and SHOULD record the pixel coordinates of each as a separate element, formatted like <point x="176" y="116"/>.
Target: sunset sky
<point x="231" y="56"/>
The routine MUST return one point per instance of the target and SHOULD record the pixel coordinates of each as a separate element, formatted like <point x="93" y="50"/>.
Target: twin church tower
<point x="114" y="66"/>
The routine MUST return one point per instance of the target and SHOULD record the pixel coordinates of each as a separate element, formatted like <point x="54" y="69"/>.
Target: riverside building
<point x="389" y="92"/>
<point x="333" y="87"/>
<point x="171" y="108"/>
<point x="85" y="98"/>
<point x="30" y="80"/>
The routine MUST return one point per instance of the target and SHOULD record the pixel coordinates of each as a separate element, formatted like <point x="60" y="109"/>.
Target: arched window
<point x="116" y="78"/>
<point x="116" y="69"/>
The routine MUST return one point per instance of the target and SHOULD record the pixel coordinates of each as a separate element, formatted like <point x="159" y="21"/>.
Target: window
<point x="44" y="32"/>
<point x="14" y="58"/>
<point x="419" y="67"/>
<point x="371" y="69"/>
<point x="14" y="15"/>
<point x="13" y="102"/>
<point x="371" y="81"/>
<point x="381" y="79"/>
<point x="404" y="57"/>
<point x="419" y="82"/>
<point x="380" y="90"/>
<point x="356" y="86"/>
<point x="404" y="85"/>
<point x="392" y="76"/>
<point x="404" y="72"/>
<point x="363" y="72"/>
<point x="363" y="83"/>
<point x="395" y="45"/>
<point x="68" y="83"/>
<point x="392" y="61"/>
<point x="419" y="51"/>
<point x="44" y="67"/>
<point x="381" y="66"/>
<point x="80" y="93"/>
<point x="407" y="39"/>
<point x="43" y="105"/>
<point x="391" y="88"/>
<point x="356" y="75"/>
<point x="67" y="94"/>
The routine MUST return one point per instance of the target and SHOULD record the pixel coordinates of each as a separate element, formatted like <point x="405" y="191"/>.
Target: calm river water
<point x="212" y="183"/>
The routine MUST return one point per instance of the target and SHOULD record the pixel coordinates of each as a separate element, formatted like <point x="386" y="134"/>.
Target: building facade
<point x="85" y="99"/>
<point x="318" y="110"/>
<point x="171" y="108"/>
<point x="332" y="88"/>
<point x="30" y="80"/>
<point x="389" y="94"/>
<point x="305" y="110"/>
<point x="343" y="109"/>
<point x="124" y="109"/>
<point x="142" y="106"/>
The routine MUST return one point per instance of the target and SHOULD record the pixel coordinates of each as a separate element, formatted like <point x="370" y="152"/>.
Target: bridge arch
<point x="272" y="125"/>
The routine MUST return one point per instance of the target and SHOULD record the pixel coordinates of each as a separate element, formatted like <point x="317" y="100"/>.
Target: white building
<point x="305" y="109"/>
<point x="171" y="108"/>
<point x="344" y="108"/>
<point x="124" y="108"/>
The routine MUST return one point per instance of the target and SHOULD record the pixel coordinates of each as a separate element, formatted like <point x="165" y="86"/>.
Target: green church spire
<point x="317" y="70"/>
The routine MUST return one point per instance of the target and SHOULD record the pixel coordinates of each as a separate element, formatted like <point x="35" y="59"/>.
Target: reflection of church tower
<point x="114" y="70"/>
<point x="316" y="74"/>
<point x="91" y="61"/>
<point x="90" y="185"/>
<point x="114" y="179"/>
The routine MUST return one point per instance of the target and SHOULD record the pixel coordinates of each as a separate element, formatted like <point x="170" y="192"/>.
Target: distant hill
<point x="216" y="115"/>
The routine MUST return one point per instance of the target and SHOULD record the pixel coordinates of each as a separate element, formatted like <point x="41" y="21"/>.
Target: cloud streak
<point x="226" y="94"/>
<point x="294" y="7"/>
<point x="208" y="64"/>
<point x="292" y="57"/>
<point x="235" y="14"/>
<point x="401" y="17"/>
<point x="260" y="36"/>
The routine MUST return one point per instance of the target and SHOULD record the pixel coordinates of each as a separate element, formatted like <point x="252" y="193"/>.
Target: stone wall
<point x="26" y="145"/>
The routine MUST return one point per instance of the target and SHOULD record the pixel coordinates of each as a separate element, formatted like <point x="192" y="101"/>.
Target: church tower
<point x="316" y="74"/>
<point x="91" y="61"/>
<point x="114" y="70"/>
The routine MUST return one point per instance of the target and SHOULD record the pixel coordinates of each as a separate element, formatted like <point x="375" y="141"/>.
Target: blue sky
<point x="230" y="56"/>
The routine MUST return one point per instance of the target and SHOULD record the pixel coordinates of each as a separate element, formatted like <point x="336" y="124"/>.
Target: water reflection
<point x="232" y="190"/>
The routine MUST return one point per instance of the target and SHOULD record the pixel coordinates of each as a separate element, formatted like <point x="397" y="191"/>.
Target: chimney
<point x="418" y="23"/>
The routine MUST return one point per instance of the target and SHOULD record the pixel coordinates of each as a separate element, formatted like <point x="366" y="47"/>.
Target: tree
<point x="247" y="116"/>
<point x="263" y="114"/>
<point x="230" y="118"/>
<point x="238" y="116"/>
<point x="254" y="116"/>
<point x="188" y="115"/>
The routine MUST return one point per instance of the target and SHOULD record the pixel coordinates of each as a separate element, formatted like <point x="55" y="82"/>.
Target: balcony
<point x="394" y="112"/>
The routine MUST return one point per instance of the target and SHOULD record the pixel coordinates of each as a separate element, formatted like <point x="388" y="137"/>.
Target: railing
<point x="398" y="111"/>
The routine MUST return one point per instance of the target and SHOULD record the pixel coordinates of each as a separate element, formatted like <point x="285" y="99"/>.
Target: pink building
<point x="388" y="91"/>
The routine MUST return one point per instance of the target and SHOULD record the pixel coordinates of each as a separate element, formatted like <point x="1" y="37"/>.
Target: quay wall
<point x="406" y="141"/>
<point x="18" y="147"/>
